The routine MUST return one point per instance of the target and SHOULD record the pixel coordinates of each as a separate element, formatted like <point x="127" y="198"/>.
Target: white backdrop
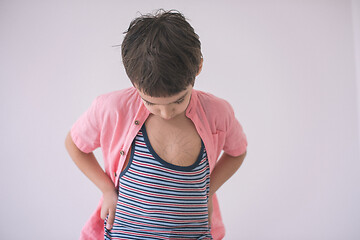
<point x="287" y="67"/>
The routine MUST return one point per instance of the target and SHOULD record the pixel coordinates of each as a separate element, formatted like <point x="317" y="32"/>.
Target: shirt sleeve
<point x="85" y="132"/>
<point x="235" y="139"/>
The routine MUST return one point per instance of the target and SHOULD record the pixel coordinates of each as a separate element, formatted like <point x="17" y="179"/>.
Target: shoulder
<point x="120" y="96"/>
<point x="118" y="99"/>
<point x="216" y="109"/>
<point x="116" y="102"/>
<point x="213" y="104"/>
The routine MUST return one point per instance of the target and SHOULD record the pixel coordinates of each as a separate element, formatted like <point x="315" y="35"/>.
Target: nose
<point x="166" y="112"/>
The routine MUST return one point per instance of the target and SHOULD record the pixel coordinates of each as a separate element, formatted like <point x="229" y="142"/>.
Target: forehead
<point x="165" y="100"/>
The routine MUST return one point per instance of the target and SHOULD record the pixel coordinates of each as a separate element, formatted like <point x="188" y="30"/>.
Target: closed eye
<point x="149" y="103"/>
<point x="179" y="101"/>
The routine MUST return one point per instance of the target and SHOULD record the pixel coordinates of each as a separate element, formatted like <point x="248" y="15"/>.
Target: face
<point x="168" y="107"/>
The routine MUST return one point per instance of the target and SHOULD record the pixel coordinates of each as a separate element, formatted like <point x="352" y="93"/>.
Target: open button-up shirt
<point x="114" y="119"/>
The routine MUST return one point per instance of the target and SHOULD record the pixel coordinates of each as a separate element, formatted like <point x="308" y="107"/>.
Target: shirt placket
<point x="136" y="125"/>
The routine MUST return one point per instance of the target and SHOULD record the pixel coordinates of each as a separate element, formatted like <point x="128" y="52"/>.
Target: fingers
<point x="103" y="213"/>
<point x="110" y="214"/>
<point x="111" y="218"/>
<point x="108" y="208"/>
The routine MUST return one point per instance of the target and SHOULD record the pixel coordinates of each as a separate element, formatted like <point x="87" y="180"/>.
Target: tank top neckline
<point x="167" y="164"/>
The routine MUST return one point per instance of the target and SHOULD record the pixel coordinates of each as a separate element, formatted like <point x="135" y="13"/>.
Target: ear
<point x="200" y="66"/>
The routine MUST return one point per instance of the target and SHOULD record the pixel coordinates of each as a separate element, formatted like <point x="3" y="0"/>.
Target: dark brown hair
<point x="161" y="53"/>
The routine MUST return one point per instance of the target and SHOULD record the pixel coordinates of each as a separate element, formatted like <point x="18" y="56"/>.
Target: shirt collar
<point x="192" y="104"/>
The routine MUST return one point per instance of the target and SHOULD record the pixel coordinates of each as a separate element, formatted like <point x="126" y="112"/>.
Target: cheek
<point x="181" y="108"/>
<point x="150" y="108"/>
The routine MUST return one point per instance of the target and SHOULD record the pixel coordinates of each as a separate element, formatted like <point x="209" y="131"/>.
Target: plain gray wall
<point x="287" y="67"/>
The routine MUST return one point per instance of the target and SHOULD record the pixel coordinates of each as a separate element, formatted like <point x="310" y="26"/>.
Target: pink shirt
<point x="114" y="119"/>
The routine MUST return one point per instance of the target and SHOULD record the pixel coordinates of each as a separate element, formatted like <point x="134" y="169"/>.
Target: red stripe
<point x="164" y="187"/>
<point x="170" y="170"/>
<point x="161" y="203"/>
<point x="160" y="219"/>
<point x="144" y="154"/>
<point x="140" y="143"/>
<point x="165" y="178"/>
<point x="165" y="212"/>
<point x="158" y="231"/>
<point x="163" y="195"/>
<point x="137" y="234"/>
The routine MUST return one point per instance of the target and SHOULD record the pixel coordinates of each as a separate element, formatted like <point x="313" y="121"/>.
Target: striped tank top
<point x="159" y="200"/>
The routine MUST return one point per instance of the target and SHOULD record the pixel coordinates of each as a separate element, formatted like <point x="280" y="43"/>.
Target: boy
<point x="160" y="139"/>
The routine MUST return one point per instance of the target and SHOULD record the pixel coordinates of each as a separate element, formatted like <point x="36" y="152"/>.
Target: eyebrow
<point x="168" y="103"/>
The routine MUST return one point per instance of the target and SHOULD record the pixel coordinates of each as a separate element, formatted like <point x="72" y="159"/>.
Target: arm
<point x="88" y="164"/>
<point x="224" y="169"/>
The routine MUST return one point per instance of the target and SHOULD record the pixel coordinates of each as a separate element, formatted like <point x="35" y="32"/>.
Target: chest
<point x="176" y="142"/>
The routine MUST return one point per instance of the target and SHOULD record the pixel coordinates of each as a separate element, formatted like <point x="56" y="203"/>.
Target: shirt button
<point x="136" y="122"/>
<point x="115" y="174"/>
<point x="122" y="152"/>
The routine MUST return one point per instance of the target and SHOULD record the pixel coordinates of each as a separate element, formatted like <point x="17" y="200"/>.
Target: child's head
<point x="161" y="53"/>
